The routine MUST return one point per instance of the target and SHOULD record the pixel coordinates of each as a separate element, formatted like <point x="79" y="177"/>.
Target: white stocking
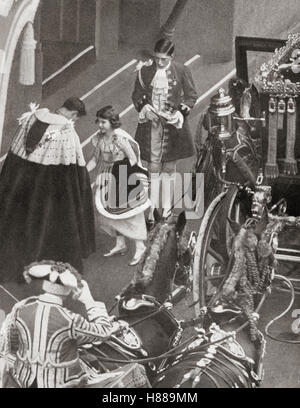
<point x="154" y="193"/>
<point x="120" y="242"/>
<point x="139" y="246"/>
<point x="168" y="189"/>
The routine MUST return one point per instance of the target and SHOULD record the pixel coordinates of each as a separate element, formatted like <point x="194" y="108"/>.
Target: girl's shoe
<point x="137" y="258"/>
<point x="116" y="251"/>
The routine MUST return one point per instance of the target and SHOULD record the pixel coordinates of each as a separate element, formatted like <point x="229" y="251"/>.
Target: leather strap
<point x="290" y="164"/>
<point x="281" y="113"/>
<point x="271" y="167"/>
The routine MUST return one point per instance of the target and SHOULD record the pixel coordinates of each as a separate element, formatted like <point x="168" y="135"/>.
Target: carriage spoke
<point x="216" y="245"/>
<point x="214" y="277"/>
<point x="236" y="212"/>
<point x="218" y="257"/>
<point x="216" y="230"/>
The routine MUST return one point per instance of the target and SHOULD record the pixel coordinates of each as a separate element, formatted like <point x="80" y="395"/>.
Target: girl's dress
<point x="122" y="186"/>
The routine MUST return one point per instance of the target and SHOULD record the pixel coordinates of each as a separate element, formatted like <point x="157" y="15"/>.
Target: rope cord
<point x="267" y="328"/>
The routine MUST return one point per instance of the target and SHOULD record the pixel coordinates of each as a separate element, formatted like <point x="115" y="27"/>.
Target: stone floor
<point x="107" y="276"/>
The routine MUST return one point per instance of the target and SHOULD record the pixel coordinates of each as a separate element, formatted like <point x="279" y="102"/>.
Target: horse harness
<point x="225" y="361"/>
<point x="182" y="249"/>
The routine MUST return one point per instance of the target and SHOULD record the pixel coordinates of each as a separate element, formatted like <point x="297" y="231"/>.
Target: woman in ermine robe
<point x="121" y="196"/>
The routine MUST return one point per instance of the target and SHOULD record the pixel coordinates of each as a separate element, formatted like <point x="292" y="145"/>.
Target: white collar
<point x="160" y="79"/>
<point x="44" y="115"/>
<point x="50" y="298"/>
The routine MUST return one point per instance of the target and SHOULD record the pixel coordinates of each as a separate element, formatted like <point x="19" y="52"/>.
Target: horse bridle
<point x="181" y="351"/>
<point x="191" y="247"/>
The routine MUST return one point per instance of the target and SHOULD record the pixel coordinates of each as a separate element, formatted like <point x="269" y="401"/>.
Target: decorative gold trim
<point x="271" y="80"/>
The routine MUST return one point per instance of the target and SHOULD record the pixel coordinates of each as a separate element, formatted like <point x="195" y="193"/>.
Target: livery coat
<point x="45" y="337"/>
<point x="177" y="143"/>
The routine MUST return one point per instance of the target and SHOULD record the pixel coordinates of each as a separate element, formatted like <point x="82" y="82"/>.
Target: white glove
<point x="148" y="113"/>
<point x="119" y="326"/>
<point x="84" y="295"/>
<point x="185" y="108"/>
<point x="98" y="309"/>
<point x="176" y="119"/>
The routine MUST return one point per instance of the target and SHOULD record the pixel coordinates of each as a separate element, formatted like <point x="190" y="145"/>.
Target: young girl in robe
<point x="121" y="195"/>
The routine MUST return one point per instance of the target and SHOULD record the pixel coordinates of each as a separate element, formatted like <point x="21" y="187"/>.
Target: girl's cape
<point x="135" y="146"/>
<point x="136" y="208"/>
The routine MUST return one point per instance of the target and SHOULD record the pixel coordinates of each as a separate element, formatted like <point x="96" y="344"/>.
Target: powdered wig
<point x="108" y="113"/>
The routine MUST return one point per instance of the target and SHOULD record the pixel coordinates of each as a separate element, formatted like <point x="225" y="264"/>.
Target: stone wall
<point x="139" y="22"/>
<point x="205" y="27"/>
<point x="267" y="18"/>
<point x="209" y="27"/>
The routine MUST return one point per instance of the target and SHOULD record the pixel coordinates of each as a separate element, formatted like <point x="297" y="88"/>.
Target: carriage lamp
<point x="220" y="115"/>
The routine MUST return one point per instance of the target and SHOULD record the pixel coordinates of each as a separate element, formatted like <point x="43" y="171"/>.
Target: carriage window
<point x="251" y="52"/>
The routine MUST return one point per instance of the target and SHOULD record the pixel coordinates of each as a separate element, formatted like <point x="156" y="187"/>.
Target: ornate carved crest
<point x="271" y="76"/>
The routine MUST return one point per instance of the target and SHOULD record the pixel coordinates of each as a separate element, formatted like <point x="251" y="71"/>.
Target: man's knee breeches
<point x="159" y="168"/>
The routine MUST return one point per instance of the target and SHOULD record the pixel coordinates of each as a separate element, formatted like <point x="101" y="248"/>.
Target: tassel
<point x="271" y="167"/>
<point x="25" y="117"/>
<point x="245" y="104"/>
<point x="290" y="164"/>
<point x="27" y="59"/>
<point x="281" y="112"/>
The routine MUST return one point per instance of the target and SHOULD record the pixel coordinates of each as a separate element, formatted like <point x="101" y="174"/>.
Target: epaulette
<point x="139" y="67"/>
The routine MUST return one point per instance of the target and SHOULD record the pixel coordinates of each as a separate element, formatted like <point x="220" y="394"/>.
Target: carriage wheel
<point x="214" y="242"/>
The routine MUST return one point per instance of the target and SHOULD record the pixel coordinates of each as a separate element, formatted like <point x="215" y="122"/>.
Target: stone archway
<point x="24" y="14"/>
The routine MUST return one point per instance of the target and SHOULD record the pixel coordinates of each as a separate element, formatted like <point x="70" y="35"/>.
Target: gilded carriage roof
<point x="271" y="79"/>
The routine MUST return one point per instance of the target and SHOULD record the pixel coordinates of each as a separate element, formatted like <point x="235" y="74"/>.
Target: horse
<point x="145" y="304"/>
<point x="221" y="354"/>
<point x="229" y="348"/>
<point x="202" y="364"/>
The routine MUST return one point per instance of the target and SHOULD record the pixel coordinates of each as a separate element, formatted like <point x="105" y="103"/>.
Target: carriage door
<point x="67" y="29"/>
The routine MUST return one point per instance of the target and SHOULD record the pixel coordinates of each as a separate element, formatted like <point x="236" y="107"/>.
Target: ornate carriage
<point x="256" y="176"/>
<point x="251" y="171"/>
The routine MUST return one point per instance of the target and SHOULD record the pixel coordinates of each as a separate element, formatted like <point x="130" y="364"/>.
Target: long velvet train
<point x="46" y="212"/>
